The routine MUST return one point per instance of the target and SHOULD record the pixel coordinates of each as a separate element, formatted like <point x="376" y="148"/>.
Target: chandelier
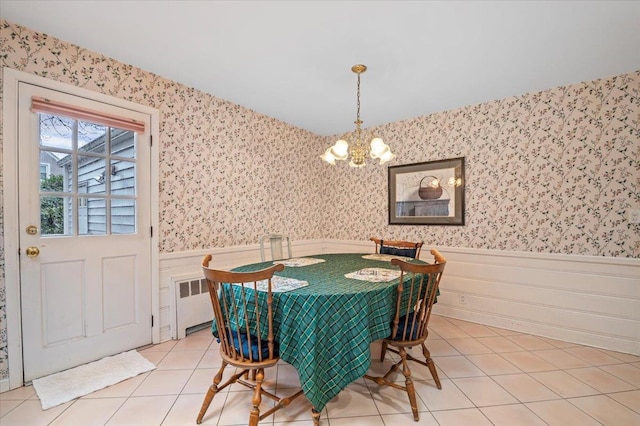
<point x="352" y="143"/>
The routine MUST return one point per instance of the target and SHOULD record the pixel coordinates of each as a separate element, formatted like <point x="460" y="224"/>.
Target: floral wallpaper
<point x="548" y="172"/>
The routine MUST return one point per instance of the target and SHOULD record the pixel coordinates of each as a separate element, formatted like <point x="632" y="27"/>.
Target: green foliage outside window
<point x="51" y="208"/>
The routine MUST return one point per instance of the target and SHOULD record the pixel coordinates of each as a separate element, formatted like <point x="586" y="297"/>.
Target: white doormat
<point x="66" y="385"/>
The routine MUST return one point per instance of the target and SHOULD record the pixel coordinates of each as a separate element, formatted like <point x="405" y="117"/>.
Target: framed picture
<point x="430" y="193"/>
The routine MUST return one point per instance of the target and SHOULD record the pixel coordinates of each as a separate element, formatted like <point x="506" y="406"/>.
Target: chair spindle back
<point x="243" y="315"/>
<point x="417" y="291"/>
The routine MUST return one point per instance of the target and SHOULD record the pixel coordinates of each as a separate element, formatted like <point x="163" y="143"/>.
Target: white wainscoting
<point x="583" y="299"/>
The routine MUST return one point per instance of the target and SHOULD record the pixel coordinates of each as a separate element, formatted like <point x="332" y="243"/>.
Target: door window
<point x="91" y="185"/>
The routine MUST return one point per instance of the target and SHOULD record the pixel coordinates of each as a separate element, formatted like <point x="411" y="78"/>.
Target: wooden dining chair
<point x="243" y="343"/>
<point x="416" y="293"/>
<point x="276" y="246"/>
<point x="398" y="247"/>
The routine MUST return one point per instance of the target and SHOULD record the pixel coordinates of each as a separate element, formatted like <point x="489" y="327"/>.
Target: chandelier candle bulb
<point x="329" y="157"/>
<point x="340" y="150"/>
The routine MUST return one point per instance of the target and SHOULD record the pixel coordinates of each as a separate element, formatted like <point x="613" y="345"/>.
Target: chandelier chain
<point x="358" y="102"/>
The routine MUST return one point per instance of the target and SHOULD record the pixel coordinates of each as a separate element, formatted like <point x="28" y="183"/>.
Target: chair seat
<point x="398" y="251"/>
<point x="404" y="322"/>
<point x="241" y="344"/>
<point x="409" y="249"/>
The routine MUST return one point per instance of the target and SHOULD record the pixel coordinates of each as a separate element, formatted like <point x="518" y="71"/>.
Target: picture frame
<point x="429" y="193"/>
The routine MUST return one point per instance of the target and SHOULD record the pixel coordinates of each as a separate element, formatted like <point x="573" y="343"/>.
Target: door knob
<point x="33" y="251"/>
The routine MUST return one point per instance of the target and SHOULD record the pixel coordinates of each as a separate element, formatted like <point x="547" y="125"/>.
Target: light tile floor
<point x="489" y="376"/>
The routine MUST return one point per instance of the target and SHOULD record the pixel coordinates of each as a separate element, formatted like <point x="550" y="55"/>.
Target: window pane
<point x="91" y="137"/>
<point x="55" y="216"/>
<point x="57" y="166"/>
<point x="91" y="172"/>
<point x="92" y="219"/>
<point x="123" y="216"/>
<point x="123" y="143"/>
<point x="123" y="177"/>
<point x="56" y="131"/>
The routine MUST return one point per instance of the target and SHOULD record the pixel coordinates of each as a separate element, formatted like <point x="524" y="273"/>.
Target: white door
<point x="85" y="235"/>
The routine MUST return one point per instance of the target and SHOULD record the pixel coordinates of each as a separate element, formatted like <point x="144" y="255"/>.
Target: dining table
<point x="327" y="310"/>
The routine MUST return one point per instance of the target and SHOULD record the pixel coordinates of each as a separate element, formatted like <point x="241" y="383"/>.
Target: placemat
<point x="299" y="261"/>
<point x="278" y="284"/>
<point x="385" y="257"/>
<point x="375" y="275"/>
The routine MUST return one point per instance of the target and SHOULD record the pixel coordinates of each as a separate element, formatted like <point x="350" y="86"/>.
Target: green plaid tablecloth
<point x="325" y="329"/>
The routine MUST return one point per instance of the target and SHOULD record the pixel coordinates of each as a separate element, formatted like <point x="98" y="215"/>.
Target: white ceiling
<point x="292" y="59"/>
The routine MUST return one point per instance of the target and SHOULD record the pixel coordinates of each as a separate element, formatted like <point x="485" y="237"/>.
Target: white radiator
<point x="193" y="305"/>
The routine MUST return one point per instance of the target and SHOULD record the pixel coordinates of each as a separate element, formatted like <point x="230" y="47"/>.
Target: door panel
<point x="87" y="294"/>
<point x="119" y="298"/>
<point x="61" y="293"/>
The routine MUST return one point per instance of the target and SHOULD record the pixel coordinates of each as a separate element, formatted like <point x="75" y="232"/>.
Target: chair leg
<point x="383" y="351"/>
<point x="253" y="374"/>
<point x="213" y="389"/>
<point x="254" y="415"/>
<point x="411" y="392"/>
<point x="431" y="365"/>
<point x="315" y="415"/>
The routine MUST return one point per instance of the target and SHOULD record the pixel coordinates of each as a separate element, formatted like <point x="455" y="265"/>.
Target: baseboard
<point x="4" y="385"/>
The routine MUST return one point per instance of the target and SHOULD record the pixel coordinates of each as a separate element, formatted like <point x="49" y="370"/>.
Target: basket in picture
<point x="430" y="192"/>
